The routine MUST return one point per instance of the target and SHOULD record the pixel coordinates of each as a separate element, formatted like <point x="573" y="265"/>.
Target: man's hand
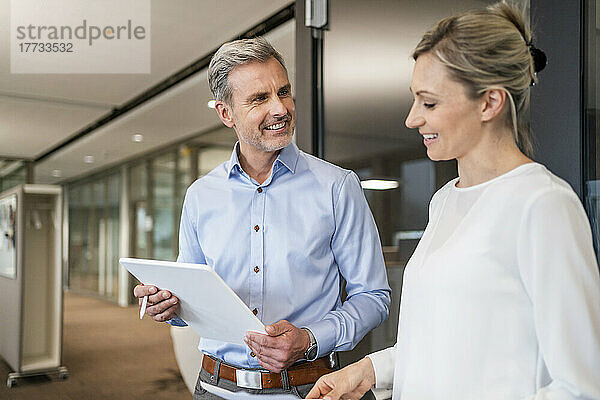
<point x="283" y="346"/>
<point x="349" y="383"/>
<point x="161" y="303"/>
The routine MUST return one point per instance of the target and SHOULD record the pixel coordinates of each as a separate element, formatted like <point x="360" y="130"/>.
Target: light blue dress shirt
<point x="282" y="246"/>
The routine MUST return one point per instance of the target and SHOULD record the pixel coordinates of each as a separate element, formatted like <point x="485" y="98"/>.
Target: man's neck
<point x="256" y="163"/>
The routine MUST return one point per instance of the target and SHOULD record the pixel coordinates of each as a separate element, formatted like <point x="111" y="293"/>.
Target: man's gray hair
<point x="233" y="54"/>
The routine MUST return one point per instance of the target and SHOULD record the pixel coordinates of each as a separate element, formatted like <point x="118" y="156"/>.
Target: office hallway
<point x="110" y="354"/>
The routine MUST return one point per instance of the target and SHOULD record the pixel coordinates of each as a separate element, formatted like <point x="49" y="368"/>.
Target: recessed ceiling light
<point x="88" y="159"/>
<point x="211" y="103"/>
<point x="137" y="138"/>
<point x="379" y="184"/>
<point x="56" y="173"/>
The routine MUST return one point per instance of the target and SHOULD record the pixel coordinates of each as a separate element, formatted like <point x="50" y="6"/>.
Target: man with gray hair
<point x="282" y="228"/>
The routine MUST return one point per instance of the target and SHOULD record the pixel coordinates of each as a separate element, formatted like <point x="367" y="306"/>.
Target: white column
<point x="65" y="237"/>
<point x="102" y="257"/>
<point x="124" y="237"/>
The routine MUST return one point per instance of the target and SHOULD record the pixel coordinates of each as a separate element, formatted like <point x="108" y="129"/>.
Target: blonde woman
<point x="501" y="299"/>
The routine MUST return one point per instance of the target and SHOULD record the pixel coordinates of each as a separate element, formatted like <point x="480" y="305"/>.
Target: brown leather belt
<point x="300" y="374"/>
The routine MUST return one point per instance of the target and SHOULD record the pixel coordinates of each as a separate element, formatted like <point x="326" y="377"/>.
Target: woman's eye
<point x="429" y="105"/>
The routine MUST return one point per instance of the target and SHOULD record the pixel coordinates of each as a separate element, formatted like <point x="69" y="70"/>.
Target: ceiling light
<point x="88" y="159"/>
<point x="137" y="138"/>
<point x="211" y="103"/>
<point x="379" y="184"/>
<point x="56" y="173"/>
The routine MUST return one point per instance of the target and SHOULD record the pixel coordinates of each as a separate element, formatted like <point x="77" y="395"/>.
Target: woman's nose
<point x="413" y="120"/>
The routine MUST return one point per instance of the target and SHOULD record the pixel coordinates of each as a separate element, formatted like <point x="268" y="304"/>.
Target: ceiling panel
<point x="173" y="116"/>
<point x="181" y="32"/>
<point x="29" y="127"/>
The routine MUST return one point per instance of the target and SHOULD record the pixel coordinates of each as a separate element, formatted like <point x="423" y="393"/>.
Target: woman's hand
<point x="349" y="383"/>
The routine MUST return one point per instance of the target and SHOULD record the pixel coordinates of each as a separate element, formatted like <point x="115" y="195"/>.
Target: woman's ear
<point x="224" y="113"/>
<point x="493" y="101"/>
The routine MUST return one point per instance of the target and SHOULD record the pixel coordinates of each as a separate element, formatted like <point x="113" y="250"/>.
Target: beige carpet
<point x="110" y="354"/>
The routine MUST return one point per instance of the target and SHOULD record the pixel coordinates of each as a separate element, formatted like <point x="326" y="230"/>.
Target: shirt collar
<point x="234" y="161"/>
<point x="288" y="157"/>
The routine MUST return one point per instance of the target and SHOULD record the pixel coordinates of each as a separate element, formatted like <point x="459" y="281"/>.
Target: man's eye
<point x="260" y="99"/>
<point x="429" y="105"/>
<point x="284" y="92"/>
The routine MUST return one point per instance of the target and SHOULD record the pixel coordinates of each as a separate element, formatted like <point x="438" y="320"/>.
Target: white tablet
<point x="206" y="303"/>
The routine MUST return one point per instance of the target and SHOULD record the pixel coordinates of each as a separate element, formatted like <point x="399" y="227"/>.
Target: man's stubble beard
<point x="257" y="141"/>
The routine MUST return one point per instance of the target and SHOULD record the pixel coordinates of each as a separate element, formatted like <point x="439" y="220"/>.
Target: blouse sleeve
<point x="560" y="274"/>
<point x="383" y="363"/>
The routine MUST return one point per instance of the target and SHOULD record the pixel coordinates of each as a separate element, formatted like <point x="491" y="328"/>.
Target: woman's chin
<point x="438" y="156"/>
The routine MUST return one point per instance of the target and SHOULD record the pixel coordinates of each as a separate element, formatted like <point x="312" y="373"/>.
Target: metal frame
<point x="61" y="372"/>
<point x="589" y="140"/>
<point x="557" y="101"/>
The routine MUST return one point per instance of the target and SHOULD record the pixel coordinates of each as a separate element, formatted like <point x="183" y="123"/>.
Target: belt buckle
<point x="248" y="379"/>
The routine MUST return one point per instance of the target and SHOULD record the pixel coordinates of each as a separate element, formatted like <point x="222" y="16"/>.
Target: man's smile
<point x="276" y="126"/>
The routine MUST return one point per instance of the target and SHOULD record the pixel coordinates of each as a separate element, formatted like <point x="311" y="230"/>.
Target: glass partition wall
<point x="94" y="235"/>
<point x="591" y="117"/>
<point x="140" y="221"/>
<point x="157" y="186"/>
<point x="366" y="78"/>
<point x="12" y="173"/>
<point x="164" y="198"/>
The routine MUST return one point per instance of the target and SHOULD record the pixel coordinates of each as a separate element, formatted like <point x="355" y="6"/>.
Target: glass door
<point x="591" y="117"/>
<point x="366" y="77"/>
<point x="142" y="223"/>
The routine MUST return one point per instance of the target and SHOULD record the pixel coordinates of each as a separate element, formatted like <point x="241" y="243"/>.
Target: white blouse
<point x="501" y="299"/>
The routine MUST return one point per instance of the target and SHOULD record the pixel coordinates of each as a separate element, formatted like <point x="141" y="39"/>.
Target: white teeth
<point x="431" y="136"/>
<point x="276" y="126"/>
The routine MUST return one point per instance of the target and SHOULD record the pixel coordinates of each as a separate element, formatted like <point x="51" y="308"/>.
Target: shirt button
<point x="256" y="269"/>
<point x="259" y="190"/>
<point x="252" y="354"/>
<point x="256" y="228"/>
<point x="255" y="311"/>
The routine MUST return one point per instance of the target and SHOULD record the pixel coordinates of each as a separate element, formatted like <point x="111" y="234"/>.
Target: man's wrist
<point x="310" y="351"/>
<point x="306" y="339"/>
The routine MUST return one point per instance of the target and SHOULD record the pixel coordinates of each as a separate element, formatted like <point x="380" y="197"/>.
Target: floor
<point x="110" y="354"/>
